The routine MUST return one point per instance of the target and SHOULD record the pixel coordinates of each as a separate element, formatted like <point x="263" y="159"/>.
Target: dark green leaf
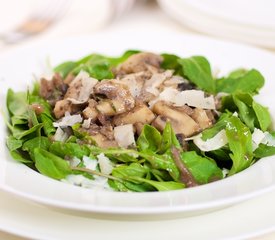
<point x="149" y="139"/>
<point x="197" y="70"/>
<point x="51" y="165"/>
<point x="248" y="82"/>
<point x="240" y="144"/>
<point x="204" y="170"/>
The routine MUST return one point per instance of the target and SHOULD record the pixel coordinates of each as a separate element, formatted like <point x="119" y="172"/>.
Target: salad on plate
<point x="140" y="122"/>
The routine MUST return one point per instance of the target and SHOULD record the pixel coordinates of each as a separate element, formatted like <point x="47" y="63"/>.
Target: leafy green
<point x="241" y="81"/>
<point x="149" y="139"/>
<point x="263" y="115"/>
<point x="98" y="66"/>
<point x="197" y="70"/>
<point x="240" y="144"/>
<point x="50" y="165"/>
<point x="203" y="169"/>
<point x="264" y="150"/>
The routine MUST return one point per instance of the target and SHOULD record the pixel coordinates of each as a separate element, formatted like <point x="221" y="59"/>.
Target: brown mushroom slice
<point x="141" y="114"/>
<point x="61" y="107"/>
<point x="140" y="61"/>
<point x="180" y="121"/>
<point x="90" y="111"/>
<point x="103" y="142"/>
<point x="202" y="118"/>
<point x="119" y="94"/>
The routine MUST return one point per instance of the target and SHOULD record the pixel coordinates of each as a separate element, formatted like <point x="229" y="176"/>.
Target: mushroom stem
<point x="185" y="175"/>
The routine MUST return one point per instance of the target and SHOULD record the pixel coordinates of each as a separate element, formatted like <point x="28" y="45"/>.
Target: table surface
<point x="144" y="15"/>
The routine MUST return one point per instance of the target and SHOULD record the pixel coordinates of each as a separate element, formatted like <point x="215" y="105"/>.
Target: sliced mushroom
<point x="180" y="121"/>
<point x="103" y="142"/>
<point x="61" y="107"/>
<point x="140" y="61"/>
<point x="202" y="118"/>
<point x="119" y="95"/>
<point x="90" y="111"/>
<point x="141" y="114"/>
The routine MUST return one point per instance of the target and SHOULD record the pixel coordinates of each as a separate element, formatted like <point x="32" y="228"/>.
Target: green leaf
<point x="263" y="115"/>
<point x="125" y="171"/>
<point x="65" y="68"/>
<point x="170" y="61"/>
<point x="248" y="82"/>
<point x="162" y="162"/>
<point x="17" y="103"/>
<point x="37" y="142"/>
<point x="240" y="143"/>
<point x="149" y="139"/>
<point x="13" y="143"/>
<point x="217" y="127"/>
<point x="51" y="165"/>
<point x="16" y="155"/>
<point x="264" y="151"/>
<point x="245" y="111"/>
<point x="204" y="170"/>
<point x="169" y="138"/>
<point x="197" y="70"/>
<point x="161" y="186"/>
<point x="69" y="149"/>
<point x="20" y="133"/>
<point x="47" y="122"/>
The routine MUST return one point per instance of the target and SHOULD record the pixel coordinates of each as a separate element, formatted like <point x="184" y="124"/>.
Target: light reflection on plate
<point x="17" y="69"/>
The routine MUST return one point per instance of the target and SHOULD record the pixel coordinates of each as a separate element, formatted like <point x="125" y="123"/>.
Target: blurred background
<point x="247" y="21"/>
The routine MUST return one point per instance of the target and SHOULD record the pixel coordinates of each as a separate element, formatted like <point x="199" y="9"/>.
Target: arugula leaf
<point x="169" y="138"/>
<point x="98" y="66"/>
<point x="149" y="139"/>
<point x="51" y="165"/>
<point x="263" y="115"/>
<point x="217" y="127"/>
<point x="246" y="82"/>
<point x="17" y="103"/>
<point x="69" y="149"/>
<point x="160" y="186"/>
<point x="240" y="143"/>
<point x="170" y="61"/>
<point x="246" y="113"/>
<point x="13" y="143"/>
<point x="37" y="142"/>
<point x="203" y="169"/>
<point x="162" y="162"/>
<point x="264" y="151"/>
<point x="197" y="70"/>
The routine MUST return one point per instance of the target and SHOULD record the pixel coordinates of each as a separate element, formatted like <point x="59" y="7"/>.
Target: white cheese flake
<point x="193" y="98"/>
<point x="68" y="120"/>
<point x="106" y="166"/>
<point x="124" y="135"/>
<point x="218" y="141"/>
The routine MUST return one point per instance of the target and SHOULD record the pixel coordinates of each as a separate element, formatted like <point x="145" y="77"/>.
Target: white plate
<point x="197" y="16"/>
<point x="246" y="12"/>
<point x="17" y="69"/>
<point x="252" y="218"/>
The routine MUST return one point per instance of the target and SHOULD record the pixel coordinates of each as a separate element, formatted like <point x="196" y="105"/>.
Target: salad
<point x="140" y="122"/>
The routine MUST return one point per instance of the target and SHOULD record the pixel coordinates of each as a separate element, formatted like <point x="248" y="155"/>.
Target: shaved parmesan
<point x="60" y="135"/>
<point x="68" y="120"/>
<point x="218" y="141"/>
<point x="156" y="80"/>
<point x="124" y="135"/>
<point x="105" y="164"/>
<point x="193" y="98"/>
<point x="81" y="88"/>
